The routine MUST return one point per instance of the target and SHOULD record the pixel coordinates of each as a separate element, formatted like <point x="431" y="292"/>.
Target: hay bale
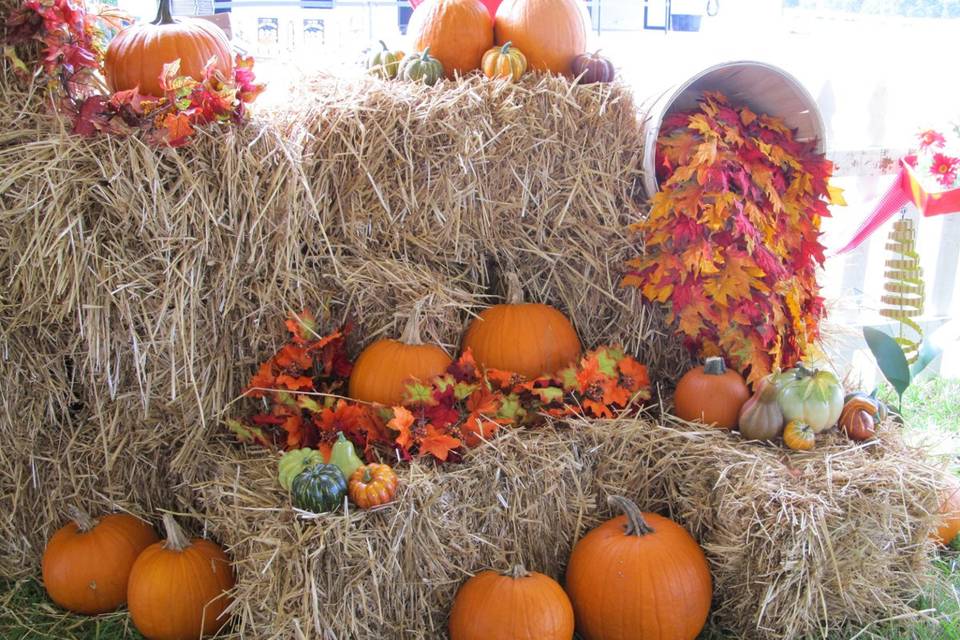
<point x="798" y="543"/>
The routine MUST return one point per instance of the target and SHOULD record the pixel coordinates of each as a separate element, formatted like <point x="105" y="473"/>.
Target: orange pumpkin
<point x="178" y="587"/>
<point x="458" y="32"/>
<point x="136" y="55"/>
<point x="711" y="394"/>
<point x="551" y="33"/>
<point x="383" y="369"/>
<point x="639" y="575"/>
<point x="373" y="485"/>
<point x="87" y="562"/>
<point x="525" y="338"/>
<point x="517" y="605"/>
<point x="950" y="510"/>
<point x="799" y="436"/>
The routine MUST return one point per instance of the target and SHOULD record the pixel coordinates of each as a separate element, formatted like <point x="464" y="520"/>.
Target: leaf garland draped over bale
<point x="797" y="543"/>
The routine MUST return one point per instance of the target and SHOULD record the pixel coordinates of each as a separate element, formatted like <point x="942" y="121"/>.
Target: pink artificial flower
<point x="944" y="169"/>
<point x="931" y="138"/>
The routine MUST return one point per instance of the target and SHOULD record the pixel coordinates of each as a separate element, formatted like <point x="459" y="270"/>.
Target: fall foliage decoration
<point x="136" y="56"/>
<point x="903" y="300"/>
<point x="639" y="575"/>
<point x="458" y="32"/>
<point x="421" y="67"/>
<point x="950" y="512"/>
<point x="551" y="33"/>
<point x="813" y="396"/>
<point x="439" y="417"/>
<point x="319" y="489"/>
<point x="527" y="338"/>
<point x="761" y="417"/>
<point x="186" y="91"/>
<point x="732" y="241"/>
<point x="504" y="62"/>
<point x="87" y="562"/>
<point x="178" y="587"/>
<point x="859" y="418"/>
<point x="373" y="485"/>
<point x="515" y="605"/>
<point x="799" y="436"/>
<point x="385" y="63"/>
<point x="711" y="394"/>
<point x="382" y="369"/>
<point x="590" y="68"/>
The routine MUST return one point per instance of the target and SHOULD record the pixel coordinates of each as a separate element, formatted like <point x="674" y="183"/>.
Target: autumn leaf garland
<point x="732" y="240"/>
<point x="439" y="418"/>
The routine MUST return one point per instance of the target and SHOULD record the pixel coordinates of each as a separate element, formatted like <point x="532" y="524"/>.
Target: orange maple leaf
<point x="178" y="128"/>
<point x="438" y="443"/>
<point x="400" y="422"/>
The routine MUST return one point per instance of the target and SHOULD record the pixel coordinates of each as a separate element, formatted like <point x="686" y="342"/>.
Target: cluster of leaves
<point x="732" y="241"/>
<point x="72" y="45"/>
<point x="936" y="162"/>
<point x="440" y="417"/>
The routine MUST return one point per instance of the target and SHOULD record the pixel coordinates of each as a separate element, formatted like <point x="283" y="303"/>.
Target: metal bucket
<point x="762" y="87"/>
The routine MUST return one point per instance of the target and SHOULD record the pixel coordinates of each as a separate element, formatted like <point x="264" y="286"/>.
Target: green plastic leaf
<point x="607" y="361"/>
<point x="462" y="390"/>
<point x="549" y="394"/>
<point x="418" y="393"/>
<point x="890" y="358"/>
<point x="934" y="344"/>
<point x="510" y="408"/>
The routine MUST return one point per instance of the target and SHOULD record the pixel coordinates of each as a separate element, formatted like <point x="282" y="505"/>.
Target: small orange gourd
<point x="950" y="512"/>
<point x="178" y="588"/>
<point x="639" y="575"/>
<point x="522" y="337"/>
<point x="87" y="562"/>
<point x="799" y="436"/>
<point x="384" y="367"/>
<point x="517" y="605"/>
<point x="711" y="394"/>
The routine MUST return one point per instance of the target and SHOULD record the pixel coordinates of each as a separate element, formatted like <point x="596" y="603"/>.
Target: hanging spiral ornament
<point x="904" y="287"/>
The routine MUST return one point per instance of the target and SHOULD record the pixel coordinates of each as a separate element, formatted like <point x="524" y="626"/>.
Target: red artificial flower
<point x="931" y="138"/>
<point x="944" y="169"/>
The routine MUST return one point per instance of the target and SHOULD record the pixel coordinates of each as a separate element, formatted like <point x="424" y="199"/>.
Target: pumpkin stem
<point x="177" y="540"/>
<point x="163" y="13"/>
<point x="505" y="47"/>
<point x="367" y="476"/>
<point x="384" y="45"/>
<point x="83" y="519"/>
<point x="411" y="331"/>
<point x="714" y="366"/>
<point x="636" y="525"/>
<point x="514" y="289"/>
<point x="426" y="54"/>
<point x="517" y="571"/>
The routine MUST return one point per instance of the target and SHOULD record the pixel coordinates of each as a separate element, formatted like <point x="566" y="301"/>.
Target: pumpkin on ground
<point x="711" y="394"/>
<point x="760" y="416"/>
<point x="639" y="575"/>
<point x="799" y="436"/>
<point x="551" y="33"/>
<point x="517" y="605"/>
<point x="384" y="64"/>
<point x="294" y="462"/>
<point x="319" y="489"/>
<point x="136" y="55"/>
<point x="178" y="588"/>
<point x="813" y="396"/>
<point x="373" y="485"/>
<point x="383" y="369"/>
<point x="522" y="337"/>
<point x="457" y="32"/>
<point x="504" y="62"/>
<point x="87" y="562"/>
<point x="950" y="512"/>
<point x="590" y="68"/>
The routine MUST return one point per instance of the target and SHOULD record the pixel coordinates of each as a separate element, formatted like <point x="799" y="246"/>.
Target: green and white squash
<point x="813" y="396"/>
<point x="421" y="67"/>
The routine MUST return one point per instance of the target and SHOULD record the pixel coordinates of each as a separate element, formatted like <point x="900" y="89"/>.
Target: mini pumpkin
<point x="590" y="68"/>
<point x="319" y="489"/>
<point x="760" y="416"/>
<point x="421" y="67"/>
<point x="385" y="63"/>
<point x="458" y="32"/>
<point x="295" y="462"/>
<point x="859" y="418"/>
<point x="135" y="57"/>
<point x="949" y="511"/>
<point x="522" y="337"/>
<point x="799" y="436"/>
<point x="87" y="562"/>
<point x="383" y="369"/>
<point x="504" y="62"/>
<point x="373" y="485"/>
<point x="516" y="605"/>
<point x="179" y="588"/>
<point x="639" y="575"/>
<point x="711" y="394"/>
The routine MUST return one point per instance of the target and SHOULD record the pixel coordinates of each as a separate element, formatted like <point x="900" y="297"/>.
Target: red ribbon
<point x="895" y="198"/>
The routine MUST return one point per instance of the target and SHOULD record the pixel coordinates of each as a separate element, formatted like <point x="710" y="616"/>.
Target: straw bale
<point x="798" y="543"/>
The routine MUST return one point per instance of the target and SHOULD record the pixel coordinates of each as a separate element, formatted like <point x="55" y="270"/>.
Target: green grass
<point x="930" y="404"/>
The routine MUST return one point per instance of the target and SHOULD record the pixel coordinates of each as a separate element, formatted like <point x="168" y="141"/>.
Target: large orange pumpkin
<point x="86" y="563"/>
<point x="522" y="337"/>
<point x="551" y="33"/>
<point x="517" y="605"/>
<point x="638" y="575"/>
<point x="384" y="367"/>
<point x="711" y="394"/>
<point x="135" y="57"/>
<point x="178" y="587"/>
<point x="458" y="33"/>
<point x="950" y="513"/>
